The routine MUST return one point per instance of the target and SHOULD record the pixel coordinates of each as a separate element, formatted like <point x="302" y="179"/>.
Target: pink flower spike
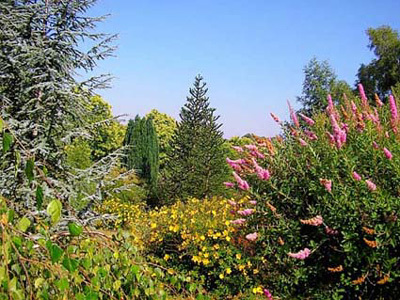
<point x="275" y="118"/>
<point x="327" y="184"/>
<point x="311" y="135"/>
<point x="330" y="104"/>
<point x="393" y="108"/>
<point x="371" y="186"/>
<point x="246" y="212"/>
<point x="306" y="119"/>
<point x="237" y="148"/>
<point x="303" y="143"/>
<point x="229" y="184"/>
<point x="362" y="94"/>
<point x="252" y="236"/>
<point x="388" y="154"/>
<point x="268" y="294"/>
<point x="356" y="176"/>
<point x="302" y="254"/>
<point x="238" y="221"/>
<point x="253" y="202"/>
<point x="375" y="145"/>
<point x="231" y="202"/>
<point x="293" y="115"/>
<point x="251" y="147"/>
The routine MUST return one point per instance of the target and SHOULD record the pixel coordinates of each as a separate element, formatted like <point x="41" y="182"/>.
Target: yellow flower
<point x="206" y="255"/>
<point x="255" y="271"/>
<point x="206" y="261"/>
<point x="216" y="246"/>
<point x="221" y="276"/>
<point x="153" y="225"/>
<point x="202" y="237"/>
<point x="228" y="271"/>
<point x="166" y="257"/>
<point x="228" y="238"/>
<point x="238" y="256"/>
<point x="227" y="223"/>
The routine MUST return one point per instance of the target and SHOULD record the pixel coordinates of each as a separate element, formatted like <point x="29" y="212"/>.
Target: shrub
<point x="327" y="194"/>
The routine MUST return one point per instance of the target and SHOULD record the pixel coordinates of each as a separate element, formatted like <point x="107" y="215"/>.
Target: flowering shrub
<point x="326" y="218"/>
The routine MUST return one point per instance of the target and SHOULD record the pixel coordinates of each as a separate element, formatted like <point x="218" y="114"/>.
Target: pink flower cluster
<point x="364" y="99"/>
<point x="237" y="148"/>
<point x="252" y="236"/>
<point x="235" y="164"/>
<point x="246" y="212"/>
<point x="356" y="176"/>
<point x="262" y="173"/>
<point x="388" y="154"/>
<point x="327" y="184"/>
<point x="338" y="133"/>
<point x="371" y="186"/>
<point x="302" y="254"/>
<point x="302" y="142"/>
<point x="311" y="135"/>
<point x="242" y="184"/>
<point x="238" y="221"/>
<point x="268" y="294"/>
<point x="293" y="115"/>
<point x="229" y="184"/>
<point x="306" y="119"/>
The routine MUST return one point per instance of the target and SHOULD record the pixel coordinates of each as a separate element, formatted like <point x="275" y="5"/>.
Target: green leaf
<point x="39" y="197"/>
<point x="39" y="282"/>
<point x="74" y="229"/>
<point x="7" y="141"/>
<point x="70" y="264"/>
<point x="62" y="284"/>
<point x="55" y="253"/>
<point x="23" y="224"/>
<point x="30" y="165"/>
<point x="54" y="210"/>
<point x="10" y="215"/>
<point x="117" y="284"/>
<point x="1" y="125"/>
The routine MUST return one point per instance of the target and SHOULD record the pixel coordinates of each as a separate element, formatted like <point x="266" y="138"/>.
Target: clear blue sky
<point x="250" y="52"/>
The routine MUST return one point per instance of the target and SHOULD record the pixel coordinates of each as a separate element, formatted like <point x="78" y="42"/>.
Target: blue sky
<point x="251" y="53"/>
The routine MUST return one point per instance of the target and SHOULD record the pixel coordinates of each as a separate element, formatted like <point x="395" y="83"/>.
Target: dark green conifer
<point x="196" y="166"/>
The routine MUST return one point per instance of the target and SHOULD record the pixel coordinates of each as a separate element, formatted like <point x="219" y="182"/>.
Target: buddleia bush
<point x="327" y="193"/>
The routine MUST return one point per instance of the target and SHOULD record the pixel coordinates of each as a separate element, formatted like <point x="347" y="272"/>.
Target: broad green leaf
<point x="1" y="124"/>
<point x="7" y="141"/>
<point x="55" y="253"/>
<point x="23" y="224"/>
<point x="39" y="197"/>
<point x="70" y="264"/>
<point x="62" y="284"/>
<point x="10" y="215"/>
<point x="74" y="229"/>
<point x="2" y="273"/>
<point x="30" y="165"/>
<point x="54" y="210"/>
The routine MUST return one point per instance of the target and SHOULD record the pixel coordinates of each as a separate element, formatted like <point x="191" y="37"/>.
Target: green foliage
<point x="383" y="72"/>
<point x="165" y="127"/>
<point x="142" y="150"/>
<point x="79" y="154"/>
<point x="106" y="132"/>
<point x="320" y="80"/>
<point x="195" y="165"/>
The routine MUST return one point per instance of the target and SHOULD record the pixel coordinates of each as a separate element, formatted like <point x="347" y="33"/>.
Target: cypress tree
<point x="196" y="166"/>
<point x="142" y="149"/>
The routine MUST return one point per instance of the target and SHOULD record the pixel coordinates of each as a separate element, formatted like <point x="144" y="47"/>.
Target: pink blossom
<point x="293" y="115"/>
<point x="253" y="202"/>
<point x="306" y="119"/>
<point x="231" y="202"/>
<point x="252" y="236"/>
<point x="353" y="108"/>
<point x="330" y="107"/>
<point x="393" y="108"/>
<point x="362" y="95"/>
<point x="229" y="184"/>
<point x="242" y="184"/>
<point x="246" y="212"/>
<point x="387" y="134"/>
<point x="302" y="142"/>
<point x="251" y="147"/>
<point x="331" y="231"/>
<point x="327" y="184"/>
<point x="375" y="145"/>
<point x="330" y="137"/>
<point x="237" y="148"/>
<point x="378" y="101"/>
<point x="311" y="135"/>
<point x="316" y="221"/>
<point x="302" y="254"/>
<point x="238" y="221"/>
<point x="371" y="186"/>
<point x="257" y="154"/>
<point x="276" y="119"/>
<point x="338" y="133"/>
<point x="268" y="294"/>
<point x="262" y="173"/>
<point x="356" y="176"/>
<point x="388" y="154"/>
<point x="235" y="164"/>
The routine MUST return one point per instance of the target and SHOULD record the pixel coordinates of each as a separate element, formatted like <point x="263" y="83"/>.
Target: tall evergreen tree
<point x="142" y="149"/>
<point x="196" y="166"/>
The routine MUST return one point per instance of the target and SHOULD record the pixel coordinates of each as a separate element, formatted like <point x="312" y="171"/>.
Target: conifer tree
<point x="142" y="149"/>
<point x="196" y="166"/>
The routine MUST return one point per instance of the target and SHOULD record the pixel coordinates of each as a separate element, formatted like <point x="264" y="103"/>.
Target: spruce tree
<point x="196" y="166"/>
